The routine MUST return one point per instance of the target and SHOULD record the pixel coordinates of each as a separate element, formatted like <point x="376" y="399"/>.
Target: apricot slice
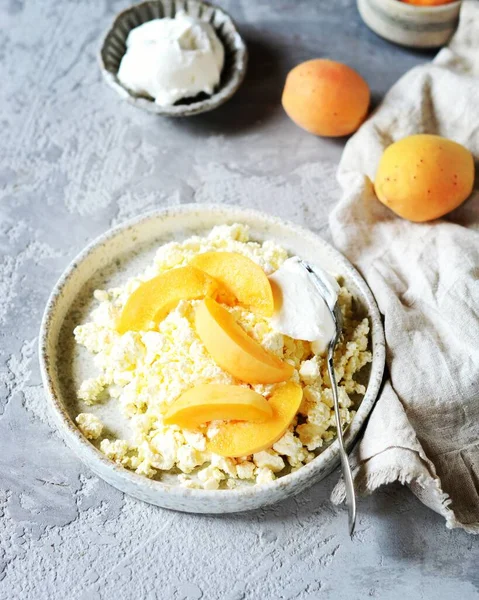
<point x="212" y="402"/>
<point x="242" y="279"/>
<point x="154" y="299"/>
<point x="242" y="439"/>
<point x="234" y="350"/>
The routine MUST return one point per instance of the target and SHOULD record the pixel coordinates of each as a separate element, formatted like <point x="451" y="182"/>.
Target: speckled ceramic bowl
<point x="117" y="254"/>
<point x="411" y="25"/>
<point x="234" y="69"/>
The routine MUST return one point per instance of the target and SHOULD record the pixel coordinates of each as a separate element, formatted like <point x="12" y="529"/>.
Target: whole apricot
<point x="326" y="98"/>
<point x="423" y="177"/>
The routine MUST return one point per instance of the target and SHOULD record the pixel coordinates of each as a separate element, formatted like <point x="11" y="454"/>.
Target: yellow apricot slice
<point x="242" y="439"/>
<point x="212" y="402"/>
<point x="154" y="299"/>
<point x="242" y="279"/>
<point x="234" y="350"/>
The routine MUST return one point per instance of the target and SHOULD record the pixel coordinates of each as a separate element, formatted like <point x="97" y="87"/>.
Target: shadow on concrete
<point x="257" y="100"/>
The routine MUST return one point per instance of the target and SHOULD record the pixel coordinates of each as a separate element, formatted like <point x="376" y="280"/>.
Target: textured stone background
<point x="76" y="160"/>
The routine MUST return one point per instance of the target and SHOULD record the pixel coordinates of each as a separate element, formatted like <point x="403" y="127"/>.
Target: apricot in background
<point x="326" y="98"/>
<point x="423" y="177"/>
<point x="428" y="2"/>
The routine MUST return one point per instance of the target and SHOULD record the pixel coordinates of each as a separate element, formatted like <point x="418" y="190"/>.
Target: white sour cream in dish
<point x="170" y="59"/>
<point x="300" y="312"/>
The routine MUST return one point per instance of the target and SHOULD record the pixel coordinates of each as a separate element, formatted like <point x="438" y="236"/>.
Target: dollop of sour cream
<point x="170" y="59"/>
<point x="299" y="309"/>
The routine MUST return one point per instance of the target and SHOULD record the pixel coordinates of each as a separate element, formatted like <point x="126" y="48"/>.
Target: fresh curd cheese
<point x="144" y="372"/>
<point x="170" y="59"/>
<point x="90" y="425"/>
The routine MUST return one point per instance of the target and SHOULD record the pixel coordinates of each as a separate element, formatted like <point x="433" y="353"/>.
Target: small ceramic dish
<point x="122" y="252"/>
<point x="411" y="25"/>
<point x="232" y="75"/>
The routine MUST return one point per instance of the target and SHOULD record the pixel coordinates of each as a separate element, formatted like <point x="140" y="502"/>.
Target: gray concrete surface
<point x="75" y="160"/>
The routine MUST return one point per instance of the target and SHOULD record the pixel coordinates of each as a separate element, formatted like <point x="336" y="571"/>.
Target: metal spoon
<point x="330" y="298"/>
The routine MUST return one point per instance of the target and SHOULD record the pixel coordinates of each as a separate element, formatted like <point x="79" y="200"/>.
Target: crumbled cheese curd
<point x="264" y="475"/>
<point x="268" y="459"/>
<point x="90" y="425"/>
<point x="144" y="372"/>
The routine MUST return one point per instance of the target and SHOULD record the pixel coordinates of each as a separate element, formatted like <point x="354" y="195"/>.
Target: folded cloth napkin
<point x="424" y="429"/>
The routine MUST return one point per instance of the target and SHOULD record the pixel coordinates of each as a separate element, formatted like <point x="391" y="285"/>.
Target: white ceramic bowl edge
<point x="160" y="225"/>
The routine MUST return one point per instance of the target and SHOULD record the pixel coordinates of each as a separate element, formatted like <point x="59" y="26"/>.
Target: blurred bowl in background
<point x="411" y="25"/>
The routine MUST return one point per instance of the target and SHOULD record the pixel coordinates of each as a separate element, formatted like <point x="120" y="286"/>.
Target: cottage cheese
<point x="90" y="425"/>
<point x="144" y="372"/>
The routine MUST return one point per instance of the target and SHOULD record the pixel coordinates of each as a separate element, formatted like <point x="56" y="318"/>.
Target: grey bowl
<point x="128" y="244"/>
<point x="234" y="69"/>
<point x="411" y="25"/>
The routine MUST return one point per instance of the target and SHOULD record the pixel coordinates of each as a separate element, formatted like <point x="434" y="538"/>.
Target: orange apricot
<point x="154" y="299"/>
<point x="234" y="350"/>
<point x="427" y="2"/>
<point x="244" y="438"/>
<point x="217" y="402"/>
<point x="326" y="98"/>
<point x="423" y="177"/>
<point x="243" y="280"/>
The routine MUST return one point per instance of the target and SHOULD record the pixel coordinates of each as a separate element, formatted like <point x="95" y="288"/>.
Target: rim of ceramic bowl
<point x="301" y="478"/>
<point x="414" y="9"/>
<point x="219" y="97"/>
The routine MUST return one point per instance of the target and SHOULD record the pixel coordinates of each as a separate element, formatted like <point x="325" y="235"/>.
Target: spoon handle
<point x="347" y="475"/>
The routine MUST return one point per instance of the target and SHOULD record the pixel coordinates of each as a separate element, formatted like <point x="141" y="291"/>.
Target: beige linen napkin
<point x="424" y="430"/>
